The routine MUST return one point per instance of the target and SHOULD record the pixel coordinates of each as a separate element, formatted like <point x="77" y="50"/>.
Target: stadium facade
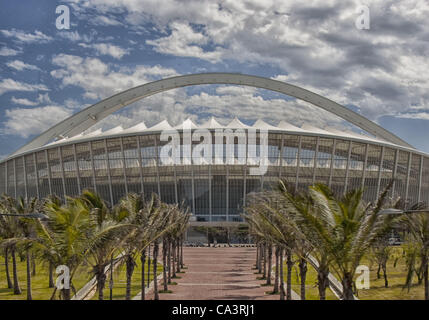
<point x="64" y="161"/>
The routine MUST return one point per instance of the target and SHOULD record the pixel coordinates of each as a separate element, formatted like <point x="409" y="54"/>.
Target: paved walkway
<point x="218" y="273"/>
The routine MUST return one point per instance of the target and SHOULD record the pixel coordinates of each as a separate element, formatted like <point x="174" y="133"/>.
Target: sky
<point x="47" y="74"/>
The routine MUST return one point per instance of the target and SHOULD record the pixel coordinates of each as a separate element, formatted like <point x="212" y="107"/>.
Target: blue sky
<point x="48" y="74"/>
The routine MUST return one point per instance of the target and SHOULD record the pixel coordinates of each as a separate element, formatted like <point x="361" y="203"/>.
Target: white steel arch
<point x="86" y="118"/>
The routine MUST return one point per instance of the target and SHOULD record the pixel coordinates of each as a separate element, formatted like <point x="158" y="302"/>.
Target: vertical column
<point x="408" y="176"/>
<point x="91" y="154"/>
<point x="37" y="174"/>
<point x="346" y="180"/>
<point x="331" y="169"/>
<point x="157" y="168"/>
<point x="420" y="178"/>
<point x="15" y="178"/>
<point x="48" y="168"/>
<point x="76" y="163"/>
<point x="245" y="174"/>
<point x="193" y="188"/>
<point x="210" y="192"/>
<point x="62" y="172"/>
<point x="395" y="168"/>
<point x="25" y="177"/>
<point x="298" y="161"/>
<point x="316" y="151"/>
<point x="365" y="163"/>
<point x="139" y="151"/>
<point x="124" y="165"/>
<point x="109" y="177"/>
<point x="281" y="156"/>
<point x="7" y="178"/>
<point x="380" y="170"/>
<point x="176" y="194"/>
<point x="227" y="192"/>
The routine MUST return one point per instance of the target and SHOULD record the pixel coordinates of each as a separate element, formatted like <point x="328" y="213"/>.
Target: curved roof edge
<point x="86" y="118"/>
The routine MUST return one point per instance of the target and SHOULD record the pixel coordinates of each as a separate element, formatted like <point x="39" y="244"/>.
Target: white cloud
<point x="106" y="49"/>
<point x="42" y="98"/>
<point x="5" y="51"/>
<point x="104" y="21"/>
<point x="316" y="43"/>
<point x="23" y="101"/>
<point x="12" y="85"/>
<point x="99" y="80"/>
<point x="20" y="65"/>
<point x="25" y="122"/>
<point x="185" y="42"/>
<point x="22" y="36"/>
<point x="75" y="36"/>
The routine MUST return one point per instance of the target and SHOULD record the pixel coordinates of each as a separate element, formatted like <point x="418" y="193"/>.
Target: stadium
<point x="65" y="160"/>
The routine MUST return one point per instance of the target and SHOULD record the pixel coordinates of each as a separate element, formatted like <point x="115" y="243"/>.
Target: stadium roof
<point x="213" y="124"/>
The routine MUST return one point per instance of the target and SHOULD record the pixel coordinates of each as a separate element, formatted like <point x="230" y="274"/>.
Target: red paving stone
<point x="218" y="273"/>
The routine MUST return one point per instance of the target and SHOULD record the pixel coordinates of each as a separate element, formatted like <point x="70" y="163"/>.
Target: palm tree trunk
<point x="181" y="252"/>
<point x="16" y="288"/>
<point x="111" y="278"/>
<point x="322" y="282"/>
<point x="282" y="283"/>
<point x="143" y="262"/>
<point x="264" y="269"/>
<point x="29" y="296"/>
<point x="6" y="264"/>
<point x="260" y="259"/>
<point x="164" y="264"/>
<point x="155" y="264"/>
<point x="169" y="260"/>
<point x="65" y="293"/>
<point x="347" y="283"/>
<point x="378" y="271"/>
<point x="101" y="281"/>
<point x="384" y="267"/>
<point x="51" y="275"/>
<point x="257" y="257"/>
<point x="173" y="258"/>
<point x="178" y="254"/>
<point x="270" y="261"/>
<point x="289" y="263"/>
<point x="276" y="279"/>
<point x="426" y="276"/>
<point x="148" y="266"/>
<point x="33" y="265"/>
<point x="303" y="275"/>
<point x="130" y="269"/>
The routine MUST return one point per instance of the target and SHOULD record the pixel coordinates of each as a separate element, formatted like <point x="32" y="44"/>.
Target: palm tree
<point x="263" y="224"/>
<point x="128" y="211"/>
<point x="64" y="237"/>
<point x="417" y="224"/>
<point x="28" y="236"/>
<point x="152" y="222"/>
<point x="175" y="228"/>
<point x="11" y="233"/>
<point x="301" y="206"/>
<point x="103" y="237"/>
<point x="348" y="228"/>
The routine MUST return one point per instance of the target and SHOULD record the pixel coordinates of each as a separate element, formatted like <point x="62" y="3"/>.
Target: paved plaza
<point x="218" y="273"/>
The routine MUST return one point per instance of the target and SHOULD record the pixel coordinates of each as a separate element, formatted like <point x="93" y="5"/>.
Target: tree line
<point x="85" y="231"/>
<point x="336" y="232"/>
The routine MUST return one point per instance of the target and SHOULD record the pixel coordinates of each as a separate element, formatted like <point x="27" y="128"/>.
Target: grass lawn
<point x="40" y="282"/>
<point x="395" y="274"/>
<point x="311" y="290"/>
<point x="41" y="291"/>
<point x="119" y="281"/>
<point x="396" y="278"/>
